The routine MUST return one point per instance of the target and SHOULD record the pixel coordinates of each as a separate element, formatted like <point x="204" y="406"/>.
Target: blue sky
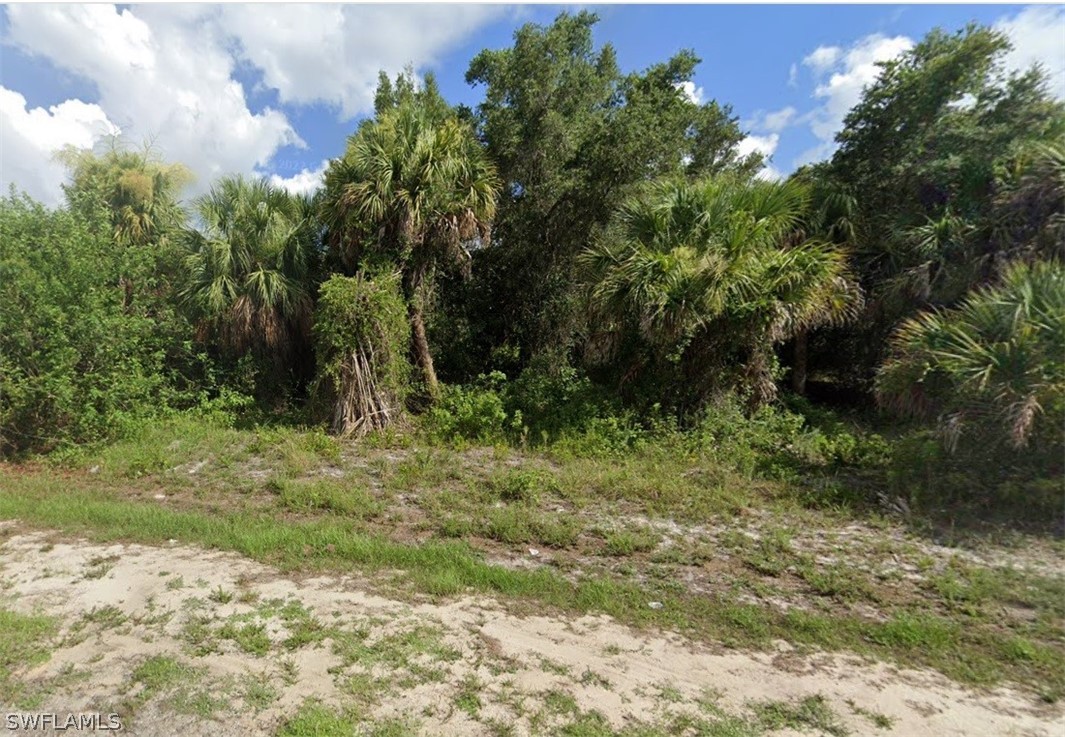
<point x="276" y="90"/>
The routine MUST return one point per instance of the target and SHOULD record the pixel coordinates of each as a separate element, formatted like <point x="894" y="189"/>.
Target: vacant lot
<point x="201" y="581"/>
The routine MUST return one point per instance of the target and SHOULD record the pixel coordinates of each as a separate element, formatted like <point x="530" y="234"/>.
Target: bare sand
<point x="119" y="605"/>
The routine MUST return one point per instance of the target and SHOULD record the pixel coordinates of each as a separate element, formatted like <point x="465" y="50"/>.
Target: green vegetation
<point x="362" y="335"/>
<point x="23" y="644"/>
<point x="567" y="350"/>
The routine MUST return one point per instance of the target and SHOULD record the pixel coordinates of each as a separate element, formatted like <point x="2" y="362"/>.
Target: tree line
<point x="583" y="232"/>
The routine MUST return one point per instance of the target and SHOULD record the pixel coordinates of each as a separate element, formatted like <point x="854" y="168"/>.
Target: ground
<point x="180" y="640"/>
<point x="280" y="583"/>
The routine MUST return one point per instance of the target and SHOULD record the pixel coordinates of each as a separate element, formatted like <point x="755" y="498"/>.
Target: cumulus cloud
<point x="840" y="76"/>
<point x="1038" y="36"/>
<point x="841" y="73"/>
<point x="166" y="72"/>
<point x="30" y="137"/>
<point x="764" y="145"/>
<point x="162" y="73"/>
<point x="823" y="58"/>
<point x="851" y="73"/>
<point x="306" y="181"/>
<point x="773" y="121"/>
<point x="333" y="53"/>
<point x="690" y="91"/>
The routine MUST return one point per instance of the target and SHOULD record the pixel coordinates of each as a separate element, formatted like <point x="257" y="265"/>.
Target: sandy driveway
<point x="183" y="641"/>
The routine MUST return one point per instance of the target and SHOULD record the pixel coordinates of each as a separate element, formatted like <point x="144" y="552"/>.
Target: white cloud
<point x="779" y="120"/>
<point x="793" y="75"/>
<point x="1038" y="36"/>
<point x="840" y="76"/>
<point x="693" y="93"/>
<point x="166" y="72"/>
<point x="305" y="182"/>
<point x="853" y="71"/>
<point x="163" y="73"/>
<point x="764" y="145"/>
<point x="823" y="58"/>
<point x="333" y="53"/>
<point x="770" y="173"/>
<point x="30" y="138"/>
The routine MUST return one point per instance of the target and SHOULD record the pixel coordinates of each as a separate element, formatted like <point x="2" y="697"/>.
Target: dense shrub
<point x="361" y="337"/>
<point x="472" y="412"/>
<point x="87" y="342"/>
<point x="991" y="376"/>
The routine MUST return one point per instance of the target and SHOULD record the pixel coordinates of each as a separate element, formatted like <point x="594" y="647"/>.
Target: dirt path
<point x="183" y="641"/>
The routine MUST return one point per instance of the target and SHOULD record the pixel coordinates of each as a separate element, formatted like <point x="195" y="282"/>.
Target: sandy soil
<point x="118" y="605"/>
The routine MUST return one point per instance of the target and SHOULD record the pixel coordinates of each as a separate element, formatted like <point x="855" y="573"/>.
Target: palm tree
<point x="250" y="265"/>
<point x="994" y="362"/>
<point x="701" y="270"/>
<point x="138" y="189"/>
<point x="417" y="188"/>
<point x="138" y="194"/>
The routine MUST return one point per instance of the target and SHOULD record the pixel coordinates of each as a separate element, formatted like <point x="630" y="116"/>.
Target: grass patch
<point x="982" y="651"/>
<point x="812" y="712"/>
<point x="24" y="643"/>
<point x="329" y="495"/>
<point x="316" y="720"/>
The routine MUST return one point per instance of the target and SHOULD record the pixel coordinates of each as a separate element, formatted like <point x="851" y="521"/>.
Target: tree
<point x="992" y="367"/>
<point x="250" y="269"/>
<point x="571" y="136"/>
<point x="139" y="193"/>
<point x="137" y="188"/>
<point x="77" y="364"/>
<point x="709" y="274"/>
<point x="416" y="189"/>
<point x="925" y="152"/>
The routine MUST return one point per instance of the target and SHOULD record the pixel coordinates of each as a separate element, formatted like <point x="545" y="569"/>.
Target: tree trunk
<point x="798" y="369"/>
<point x="763" y="389"/>
<point x="420" y="345"/>
<point x="423" y="358"/>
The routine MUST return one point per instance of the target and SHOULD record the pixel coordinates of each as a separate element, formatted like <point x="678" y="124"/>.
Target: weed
<point x="811" y="712"/>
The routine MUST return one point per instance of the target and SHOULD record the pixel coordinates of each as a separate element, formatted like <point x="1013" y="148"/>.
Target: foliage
<point x="414" y="188"/>
<point x="992" y="367"/>
<point x="570" y="134"/>
<point x="136" y="188"/>
<point x="361" y="335"/>
<point x="473" y="413"/>
<point x="933" y="155"/>
<point x="249" y="273"/>
<point x="708" y="273"/>
<point x="77" y="362"/>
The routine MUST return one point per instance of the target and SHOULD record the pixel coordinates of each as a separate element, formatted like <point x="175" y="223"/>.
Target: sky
<point x="275" y="90"/>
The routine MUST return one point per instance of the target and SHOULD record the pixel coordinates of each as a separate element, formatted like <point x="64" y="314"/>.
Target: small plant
<point x="220" y="596"/>
<point x="629" y="541"/>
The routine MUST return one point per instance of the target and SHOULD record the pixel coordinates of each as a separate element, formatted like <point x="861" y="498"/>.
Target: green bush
<point x="361" y="335"/>
<point x="88" y="344"/>
<point x="473" y="412"/>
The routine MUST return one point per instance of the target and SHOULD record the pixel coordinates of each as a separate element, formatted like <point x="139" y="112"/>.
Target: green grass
<point x="331" y="495"/>
<point x="24" y="643"/>
<point x="316" y="720"/>
<point x="630" y="540"/>
<point x="161" y="672"/>
<point x="258" y="692"/>
<point x="180" y="685"/>
<point x="970" y="654"/>
<point x="304" y="520"/>
<point x="811" y="712"/>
